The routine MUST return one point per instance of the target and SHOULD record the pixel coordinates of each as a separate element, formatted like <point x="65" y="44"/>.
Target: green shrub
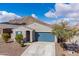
<point x="5" y="37"/>
<point x="19" y="39"/>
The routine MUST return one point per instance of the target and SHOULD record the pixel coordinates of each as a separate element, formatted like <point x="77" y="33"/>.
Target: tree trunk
<point x="60" y="40"/>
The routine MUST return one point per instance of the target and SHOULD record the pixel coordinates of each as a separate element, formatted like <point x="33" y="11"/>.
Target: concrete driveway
<point x="40" y="49"/>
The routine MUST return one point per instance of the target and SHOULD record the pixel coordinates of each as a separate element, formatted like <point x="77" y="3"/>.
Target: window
<point x="18" y="32"/>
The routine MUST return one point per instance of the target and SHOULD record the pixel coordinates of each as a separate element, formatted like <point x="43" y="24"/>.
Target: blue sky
<point x="47" y="12"/>
<point x="27" y="9"/>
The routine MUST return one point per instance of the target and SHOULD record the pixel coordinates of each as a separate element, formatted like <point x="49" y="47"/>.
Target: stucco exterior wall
<point x="23" y="30"/>
<point x="40" y="28"/>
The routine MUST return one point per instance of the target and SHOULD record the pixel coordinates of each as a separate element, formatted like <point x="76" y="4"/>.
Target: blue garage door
<point x="44" y="36"/>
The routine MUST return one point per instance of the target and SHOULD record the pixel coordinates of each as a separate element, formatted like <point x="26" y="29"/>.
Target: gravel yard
<point x="60" y="52"/>
<point x="11" y="49"/>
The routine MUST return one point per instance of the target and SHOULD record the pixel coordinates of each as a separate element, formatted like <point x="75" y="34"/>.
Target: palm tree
<point x="62" y="32"/>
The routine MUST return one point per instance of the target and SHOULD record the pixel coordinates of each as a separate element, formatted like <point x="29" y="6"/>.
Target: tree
<point x="5" y="37"/>
<point x="62" y="32"/>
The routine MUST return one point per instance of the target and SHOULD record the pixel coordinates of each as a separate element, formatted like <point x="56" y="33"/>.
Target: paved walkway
<point x="40" y="49"/>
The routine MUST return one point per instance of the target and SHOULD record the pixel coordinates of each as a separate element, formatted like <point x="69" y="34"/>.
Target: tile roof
<point x="3" y="26"/>
<point x="24" y="21"/>
<point x="29" y="20"/>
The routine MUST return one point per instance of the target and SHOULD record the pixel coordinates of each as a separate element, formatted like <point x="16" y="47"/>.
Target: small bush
<point x="5" y="37"/>
<point x="19" y="39"/>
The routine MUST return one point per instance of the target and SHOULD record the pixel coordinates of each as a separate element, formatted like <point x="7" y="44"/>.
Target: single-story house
<point x="34" y="32"/>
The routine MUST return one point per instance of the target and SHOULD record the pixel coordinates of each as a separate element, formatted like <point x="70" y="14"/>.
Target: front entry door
<point x="28" y="35"/>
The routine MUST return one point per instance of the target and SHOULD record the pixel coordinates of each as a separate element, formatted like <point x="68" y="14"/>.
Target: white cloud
<point x="50" y="14"/>
<point x="70" y="12"/>
<point x="67" y="10"/>
<point x="73" y="15"/>
<point x="6" y="16"/>
<point x="34" y="15"/>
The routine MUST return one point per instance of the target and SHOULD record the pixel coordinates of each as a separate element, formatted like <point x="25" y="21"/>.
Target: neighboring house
<point x="35" y="30"/>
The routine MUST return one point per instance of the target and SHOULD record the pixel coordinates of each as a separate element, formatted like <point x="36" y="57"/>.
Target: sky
<point x="47" y="12"/>
<point x="36" y="10"/>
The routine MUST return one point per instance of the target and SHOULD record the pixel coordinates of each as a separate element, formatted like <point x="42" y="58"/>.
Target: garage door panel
<point x="44" y="36"/>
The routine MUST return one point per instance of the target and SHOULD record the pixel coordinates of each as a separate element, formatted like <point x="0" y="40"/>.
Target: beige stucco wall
<point x="40" y="28"/>
<point x="23" y="29"/>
